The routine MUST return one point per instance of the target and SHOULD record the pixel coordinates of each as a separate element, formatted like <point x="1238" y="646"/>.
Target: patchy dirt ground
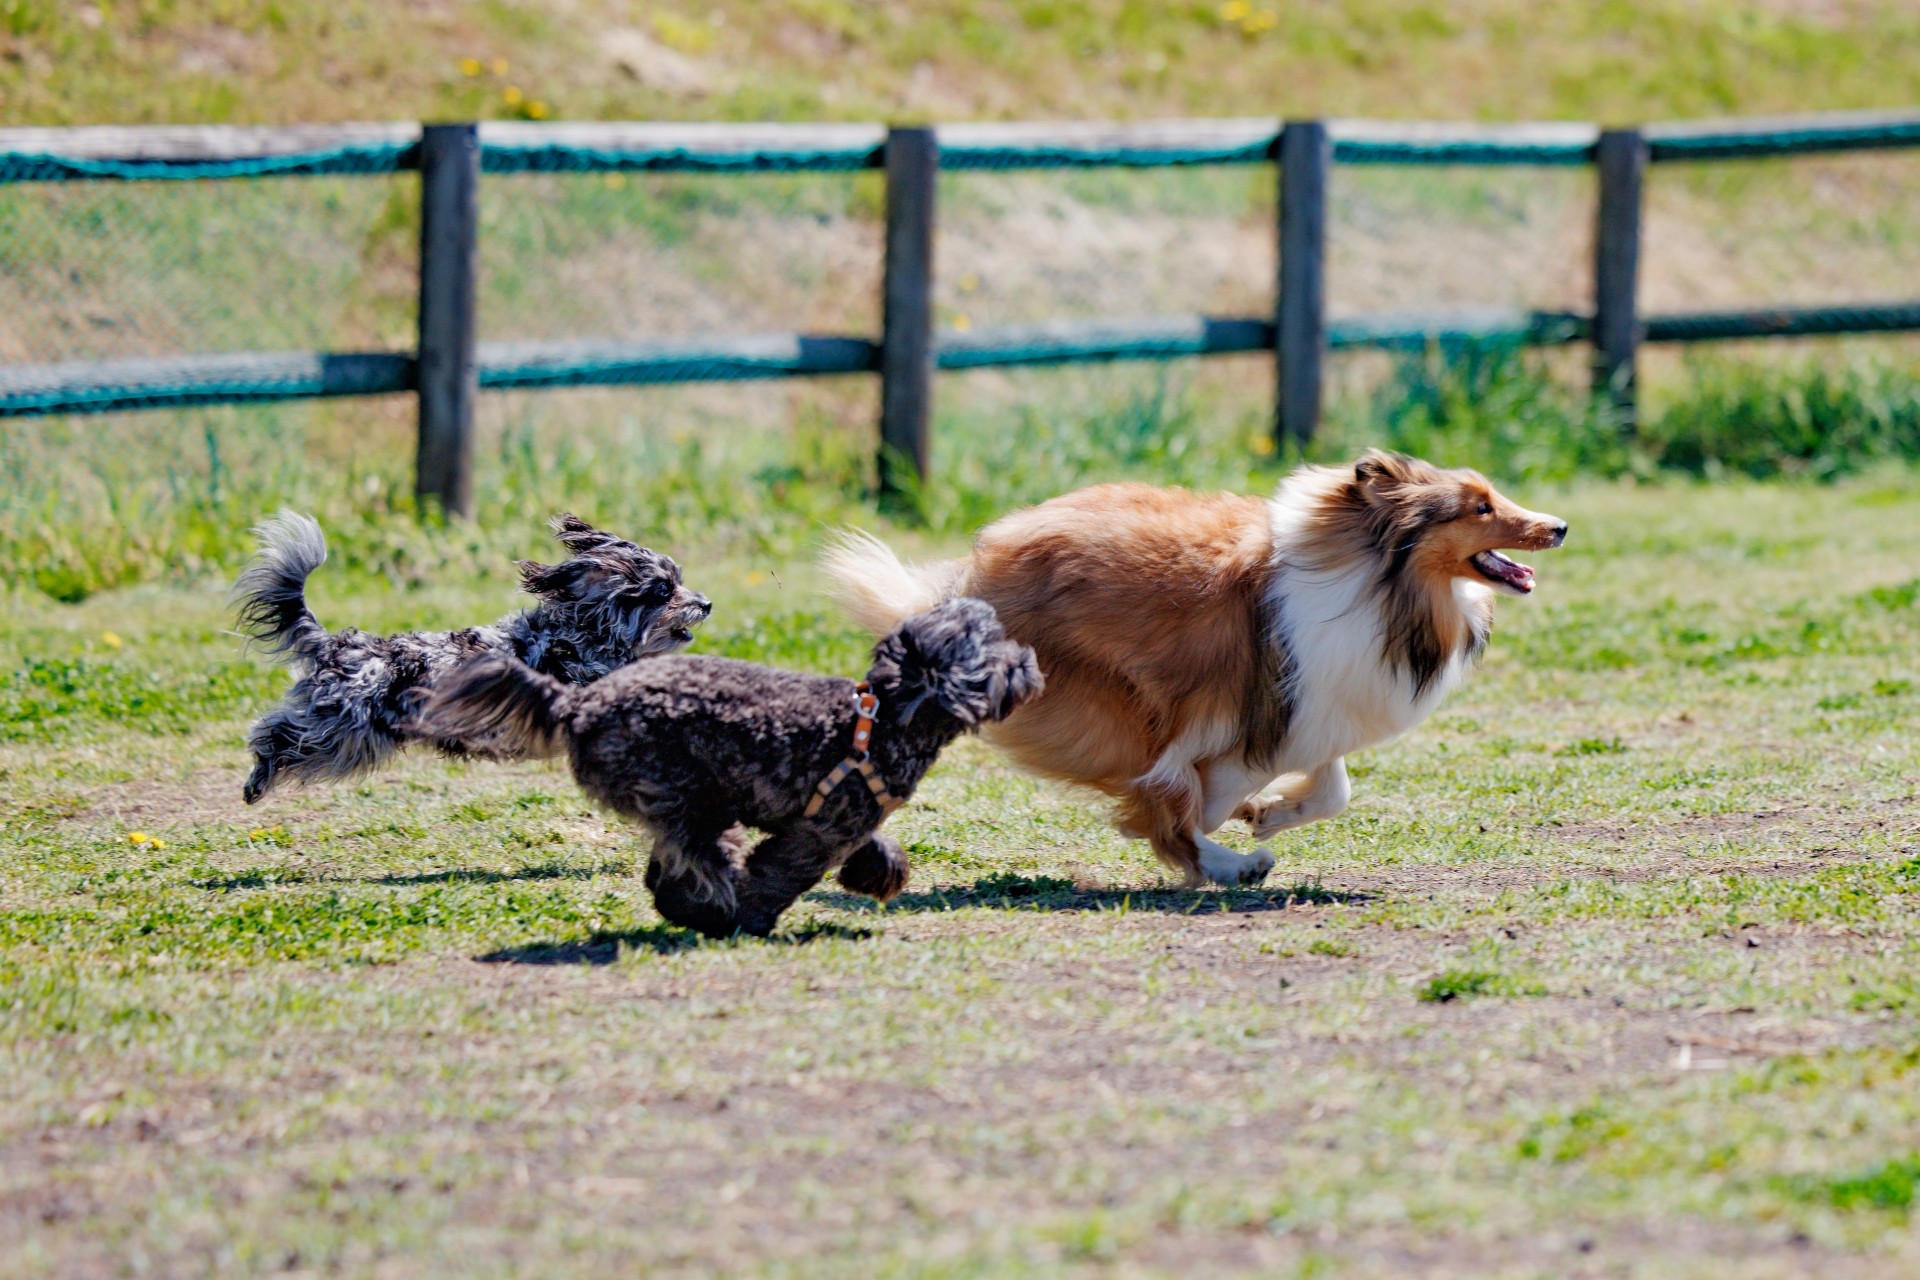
<point x="1607" y="972"/>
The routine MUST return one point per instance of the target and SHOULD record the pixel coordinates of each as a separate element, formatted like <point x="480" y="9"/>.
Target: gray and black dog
<point x="698" y="748"/>
<point x="357" y="695"/>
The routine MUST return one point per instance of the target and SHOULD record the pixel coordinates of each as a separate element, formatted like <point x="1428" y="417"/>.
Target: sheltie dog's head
<point x="1429" y="542"/>
<point x="1437" y="524"/>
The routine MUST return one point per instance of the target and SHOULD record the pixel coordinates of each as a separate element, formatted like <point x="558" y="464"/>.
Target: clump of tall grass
<point x="1503" y="410"/>
<point x="1495" y="407"/>
<point x="1803" y="418"/>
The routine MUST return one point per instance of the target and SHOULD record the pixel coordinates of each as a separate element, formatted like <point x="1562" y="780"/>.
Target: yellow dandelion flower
<point x="110" y="640"/>
<point x="258" y="833"/>
<point x="156" y="844"/>
<point x="536" y="110"/>
<point x="512" y="95"/>
<point x="615" y="181"/>
<point x="138" y="837"/>
<point x="1235" y="10"/>
<point x="1265" y="20"/>
<point x="1263" y="445"/>
<point x="469" y="66"/>
<point x="962" y="322"/>
<point x="499" y="66"/>
<point x="969" y="282"/>
<point x="755" y="577"/>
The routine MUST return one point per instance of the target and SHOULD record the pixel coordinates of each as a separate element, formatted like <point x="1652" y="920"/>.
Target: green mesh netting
<point x="135" y="283"/>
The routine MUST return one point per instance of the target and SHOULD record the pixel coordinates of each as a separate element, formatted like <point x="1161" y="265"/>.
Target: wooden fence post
<point x="1300" y="315"/>
<point x="906" y="342"/>
<point x="447" y="378"/>
<point x="1622" y="161"/>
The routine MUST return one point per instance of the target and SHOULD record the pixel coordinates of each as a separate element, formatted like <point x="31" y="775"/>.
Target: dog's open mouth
<point x="682" y="635"/>
<point x="1503" y="572"/>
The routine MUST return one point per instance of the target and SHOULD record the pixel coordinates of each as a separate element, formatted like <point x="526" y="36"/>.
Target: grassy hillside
<point x="69" y="61"/>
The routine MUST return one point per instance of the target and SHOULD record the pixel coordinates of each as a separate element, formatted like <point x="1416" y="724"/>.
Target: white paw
<point x="1229" y="868"/>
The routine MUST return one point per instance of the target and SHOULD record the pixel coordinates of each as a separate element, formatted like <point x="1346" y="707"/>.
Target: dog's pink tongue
<point x="1508" y="571"/>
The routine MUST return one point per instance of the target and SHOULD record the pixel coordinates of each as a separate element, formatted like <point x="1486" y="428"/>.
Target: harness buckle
<point x="866" y="703"/>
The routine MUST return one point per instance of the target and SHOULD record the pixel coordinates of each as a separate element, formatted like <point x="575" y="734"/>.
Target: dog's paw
<point x="1232" y="869"/>
<point x="878" y="869"/>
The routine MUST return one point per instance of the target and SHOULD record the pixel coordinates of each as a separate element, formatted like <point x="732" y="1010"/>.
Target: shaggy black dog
<point x="355" y="701"/>
<point x="698" y="748"/>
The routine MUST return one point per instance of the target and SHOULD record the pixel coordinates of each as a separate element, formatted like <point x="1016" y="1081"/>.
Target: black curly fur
<point x="357" y="695"/>
<point x="697" y="749"/>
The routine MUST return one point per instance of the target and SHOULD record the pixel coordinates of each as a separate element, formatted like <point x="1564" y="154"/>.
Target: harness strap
<point x="866" y="704"/>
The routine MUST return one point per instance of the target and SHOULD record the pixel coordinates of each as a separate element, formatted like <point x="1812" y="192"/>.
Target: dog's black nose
<point x="1559" y="533"/>
<point x="706" y="605"/>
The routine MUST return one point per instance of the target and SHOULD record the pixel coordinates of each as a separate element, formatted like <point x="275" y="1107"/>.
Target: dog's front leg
<point x="1225" y="785"/>
<point x="1299" y="799"/>
<point x="780" y="869"/>
<point x="876" y="868"/>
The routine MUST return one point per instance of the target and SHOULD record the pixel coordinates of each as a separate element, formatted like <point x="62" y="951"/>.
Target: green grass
<point x="1609" y="969"/>
<point x="286" y="60"/>
<point x="1609" y="964"/>
<point x="1464" y="984"/>
<point x="1889" y="1187"/>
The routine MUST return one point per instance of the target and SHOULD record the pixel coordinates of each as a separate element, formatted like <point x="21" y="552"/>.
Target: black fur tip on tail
<point x="500" y="702"/>
<point x="271" y="593"/>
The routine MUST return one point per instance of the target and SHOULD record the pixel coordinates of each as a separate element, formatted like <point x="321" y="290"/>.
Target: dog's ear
<point x="1377" y="473"/>
<point x="576" y="535"/>
<point x="552" y="581"/>
<point x="952" y="655"/>
<point x="1016" y="680"/>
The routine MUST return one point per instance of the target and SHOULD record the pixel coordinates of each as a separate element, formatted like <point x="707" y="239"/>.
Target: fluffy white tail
<point x="877" y="590"/>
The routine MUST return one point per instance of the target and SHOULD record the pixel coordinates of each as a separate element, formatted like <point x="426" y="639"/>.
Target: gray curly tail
<point x="271" y="593"/>
<point x="502" y="701"/>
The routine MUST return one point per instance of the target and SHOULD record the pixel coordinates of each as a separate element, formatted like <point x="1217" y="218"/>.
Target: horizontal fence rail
<point x="199" y="152"/>
<point x="214" y="153"/>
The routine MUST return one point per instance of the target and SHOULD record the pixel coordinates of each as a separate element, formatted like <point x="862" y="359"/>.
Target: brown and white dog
<point x="1211" y="656"/>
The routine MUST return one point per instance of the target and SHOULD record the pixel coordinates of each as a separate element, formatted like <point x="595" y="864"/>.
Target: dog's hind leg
<point x="1166" y="806"/>
<point x="276" y="745"/>
<point x="1299" y="799"/>
<point x="694" y="876"/>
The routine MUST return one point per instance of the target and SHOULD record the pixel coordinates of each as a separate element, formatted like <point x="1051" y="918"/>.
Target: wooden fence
<point x="448" y="367"/>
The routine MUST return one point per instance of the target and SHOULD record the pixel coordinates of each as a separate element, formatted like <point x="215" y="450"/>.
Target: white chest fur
<point x="1345" y="693"/>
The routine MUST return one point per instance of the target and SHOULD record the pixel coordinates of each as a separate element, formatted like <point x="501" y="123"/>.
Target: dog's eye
<point x="1484" y="509"/>
<point x="655" y="593"/>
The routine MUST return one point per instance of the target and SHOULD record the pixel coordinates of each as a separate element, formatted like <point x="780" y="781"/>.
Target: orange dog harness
<point x="866" y="703"/>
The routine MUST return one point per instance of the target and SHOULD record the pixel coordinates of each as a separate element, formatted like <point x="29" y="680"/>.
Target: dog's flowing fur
<point x="1211" y="656"/>
<point x="356" y="696"/>
<point x="698" y="748"/>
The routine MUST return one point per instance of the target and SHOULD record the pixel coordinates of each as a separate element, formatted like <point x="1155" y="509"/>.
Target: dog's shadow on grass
<point x="280" y="877"/>
<point x="660" y="939"/>
<point x="471" y="875"/>
<point x="1051" y="894"/>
